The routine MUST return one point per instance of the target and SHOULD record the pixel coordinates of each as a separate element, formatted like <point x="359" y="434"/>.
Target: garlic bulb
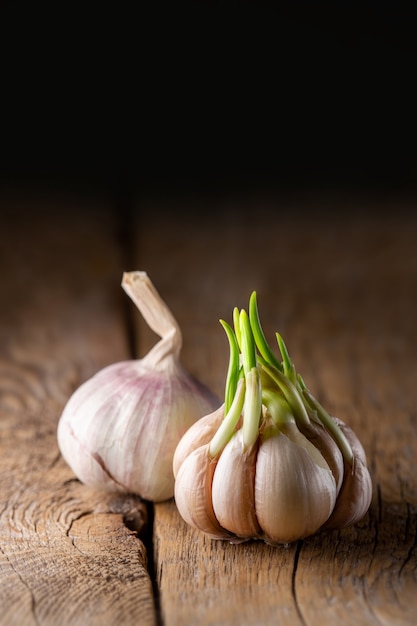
<point x="270" y="464"/>
<point x="120" y="428"/>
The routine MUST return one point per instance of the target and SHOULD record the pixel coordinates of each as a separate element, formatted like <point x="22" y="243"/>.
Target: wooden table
<point x="335" y="275"/>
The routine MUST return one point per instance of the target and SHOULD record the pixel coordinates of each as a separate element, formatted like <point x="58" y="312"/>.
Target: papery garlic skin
<point x="320" y="438"/>
<point x="295" y="490"/>
<point x="281" y="489"/>
<point x="355" y="495"/>
<point x="193" y="489"/>
<point x="119" y="430"/>
<point x="233" y="488"/>
<point x="357" y="448"/>
<point x="200" y="433"/>
<point x="279" y="467"/>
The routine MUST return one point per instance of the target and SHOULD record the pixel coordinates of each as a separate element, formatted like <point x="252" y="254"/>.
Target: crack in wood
<point x="22" y="580"/>
<point x="412" y="548"/>
<point x="72" y="522"/>
<point x="377" y="522"/>
<point x="146" y="535"/>
<point x="365" y="574"/>
<point x="293" y="582"/>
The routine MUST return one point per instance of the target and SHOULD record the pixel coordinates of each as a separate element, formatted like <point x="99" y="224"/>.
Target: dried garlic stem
<point x="157" y="315"/>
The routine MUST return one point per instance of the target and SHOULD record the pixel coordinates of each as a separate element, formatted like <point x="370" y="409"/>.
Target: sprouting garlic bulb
<point x="270" y="464"/>
<point x="119" y="429"/>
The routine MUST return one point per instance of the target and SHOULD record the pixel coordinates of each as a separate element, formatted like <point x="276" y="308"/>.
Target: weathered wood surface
<point x="67" y="555"/>
<point x="339" y="285"/>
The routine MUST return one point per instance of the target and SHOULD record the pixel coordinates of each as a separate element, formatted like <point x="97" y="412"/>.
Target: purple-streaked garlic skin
<point x="198" y="434"/>
<point x="119" y="430"/>
<point x="233" y="489"/>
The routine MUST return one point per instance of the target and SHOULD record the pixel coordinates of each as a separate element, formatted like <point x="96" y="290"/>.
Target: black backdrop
<point x="207" y="96"/>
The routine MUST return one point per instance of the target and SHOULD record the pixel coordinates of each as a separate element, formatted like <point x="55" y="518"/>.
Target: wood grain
<point x="68" y="555"/>
<point x="338" y="281"/>
<point x="340" y="284"/>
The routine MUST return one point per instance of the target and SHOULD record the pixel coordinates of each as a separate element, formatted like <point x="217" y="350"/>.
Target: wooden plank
<point x="68" y="555"/>
<point x="338" y="281"/>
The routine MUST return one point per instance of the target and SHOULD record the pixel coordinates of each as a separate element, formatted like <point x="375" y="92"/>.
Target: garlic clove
<point x="324" y="442"/>
<point x="357" y="447"/>
<point x="354" y="498"/>
<point x="233" y="488"/>
<point x="200" y="433"/>
<point x="355" y="495"/>
<point x="193" y="489"/>
<point x="295" y="490"/>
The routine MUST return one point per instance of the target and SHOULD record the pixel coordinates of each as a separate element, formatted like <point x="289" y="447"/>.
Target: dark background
<point x="209" y="97"/>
